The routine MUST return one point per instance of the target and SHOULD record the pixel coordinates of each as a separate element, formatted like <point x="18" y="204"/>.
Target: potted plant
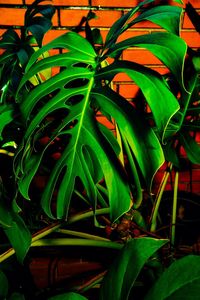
<point x="88" y="171"/>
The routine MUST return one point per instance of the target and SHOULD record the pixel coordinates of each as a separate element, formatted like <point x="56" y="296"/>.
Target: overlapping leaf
<point x="169" y="48"/>
<point x="78" y="90"/>
<point x="153" y="87"/>
<point x="127" y="266"/>
<point x="180" y="281"/>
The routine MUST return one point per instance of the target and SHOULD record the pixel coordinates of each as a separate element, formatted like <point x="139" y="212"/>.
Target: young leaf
<point x="19" y="237"/>
<point x="124" y="271"/>
<point x="180" y="281"/>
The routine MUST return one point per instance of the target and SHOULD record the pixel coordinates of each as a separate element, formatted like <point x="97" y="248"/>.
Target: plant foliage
<point x="77" y="93"/>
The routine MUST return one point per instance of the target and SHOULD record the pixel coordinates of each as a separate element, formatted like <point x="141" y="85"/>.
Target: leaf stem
<point x="88" y="214"/>
<point x="76" y="242"/>
<point x="42" y="233"/>
<point x="159" y="197"/>
<point x="174" y="209"/>
<point x="82" y="235"/>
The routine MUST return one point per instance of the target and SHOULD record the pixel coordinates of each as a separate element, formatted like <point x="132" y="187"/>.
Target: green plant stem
<point x="158" y="198"/>
<point x="88" y="214"/>
<point x="76" y="242"/>
<point x="174" y="209"/>
<point x="92" y="282"/>
<point x="81" y="196"/>
<point x="2" y="151"/>
<point x="46" y="231"/>
<point x="82" y="235"/>
<point x="42" y="233"/>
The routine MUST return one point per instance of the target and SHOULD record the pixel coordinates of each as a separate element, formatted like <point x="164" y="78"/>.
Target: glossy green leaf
<point x="169" y="48"/>
<point x="161" y="101"/>
<point x="9" y="39"/>
<point x="84" y="134"/>
<point x="122" y="24"/>
<point x="139" y="136"/>
<point x="6" y="116"/>
<point x="166" y="16"/>
<point x="180" y="281"/>
<point x="191" y="147"/>
<point x="19" y="237"/>
<point x="71" y="41"/>
<point x="3" y="285"/>
<point x="68" y="296"/>
<point x="125" y="269"/>
<point x="5" y="214"/>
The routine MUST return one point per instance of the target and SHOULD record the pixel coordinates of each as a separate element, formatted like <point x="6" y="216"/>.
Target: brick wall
<point x="69" y="14"/>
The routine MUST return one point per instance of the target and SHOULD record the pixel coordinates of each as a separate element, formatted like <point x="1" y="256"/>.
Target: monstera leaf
<point x="76" y="93"/>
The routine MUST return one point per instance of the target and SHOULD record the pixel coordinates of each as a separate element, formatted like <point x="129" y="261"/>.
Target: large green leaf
<point x="124" y="271"/>
<point x="19" y="236"/>
<point x="161" y="101"/>
<point x="140" y="137"/>
<point x="169" y="48"/>
<point x="68" y="296"/>
<point x="180" y="281"/>
<point x="6" y="116"/>
<point x="166" y="16"/>
<point x="122" y="24"/>
<point x="85" y="141"/>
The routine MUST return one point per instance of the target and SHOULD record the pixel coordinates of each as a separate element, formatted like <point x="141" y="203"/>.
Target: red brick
<point x="15" y="16"/>
<point x="140" y="56"/>
<point x="52" y="34"/>
<point x="71" y="2"/>
<point x="104" y="18"/>
<point x="144" y="24"/>
<point x="63" y="2"/>
<point x="122" y="77"/>
<point x="131" y="33"/>
<point x="115" y="3"/>
<point x="2" y="31"/>
<point x="196" y="175"/>
<point x="160" y="69"/>
<point x="72" y="17"/>
<point x="128" y="91"/>
<point x="103" y="120"/>
<point x="187" y="24"/>
<point x="43" y="3"/>
<point x="195" y="3"/>
<point x="12" y="16"/>
<point x="192" y="38"/>
<point x="196" y="187"/>
<point x="11" y="2"/>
